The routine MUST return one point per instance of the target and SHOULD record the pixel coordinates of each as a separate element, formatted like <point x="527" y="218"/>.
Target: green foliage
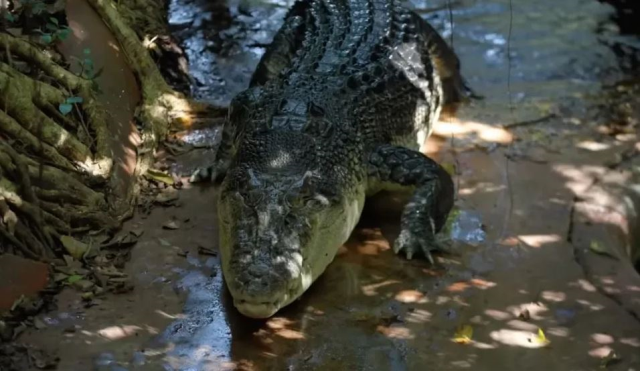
<point x="67" y="106"/>
<point x="54" y="32"/>
<point x="88" y="70"/>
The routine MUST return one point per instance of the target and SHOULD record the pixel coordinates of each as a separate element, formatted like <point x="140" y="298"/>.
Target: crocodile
<point x="335" y="112"/>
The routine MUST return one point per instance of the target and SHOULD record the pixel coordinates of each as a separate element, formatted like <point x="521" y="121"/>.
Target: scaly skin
<point x="335" y="112"/>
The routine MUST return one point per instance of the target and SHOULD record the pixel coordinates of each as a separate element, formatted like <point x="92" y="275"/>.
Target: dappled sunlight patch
<point x="488" y="133"/>
<point x="600" y="352"/>
<point x="411" y="296"/>
<point x="119" y="332"/>
<point x="483" y="187"/>
<point x="395" y="331"/>
<point x="290" y="334"/>
<point x="418" y="316"/>
<point x="372" y="247"/>
<point x="372" y="290"/>
<point x="279" y="323"/>
<point x="461" y="364"/>
<point x="484" y="346"/>
<point x="602" y="339"/>
<point x="579" y="178"/>
<point x="171" y="316"/>
<point x="497" y="315"/>
<point x="518" y="338"/>
<point x="522" y="325"/>
<point x="280" y="326"/>
<point x="540" y="239"/>
<point x="440" y="300"/>
<point x="559" y="331"/>
<point x="590" y="145"/>
<point x="592" y="306"/>
<point x="477" y="283"/>
<point x="583" y="284"/>
<point x="633" y="342"/>
<point x="554" y="296"/>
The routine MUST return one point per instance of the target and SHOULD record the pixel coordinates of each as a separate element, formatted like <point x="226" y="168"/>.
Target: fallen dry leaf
<point x="74" y="247"/>
<point x="159" y="176"/>
<point x="463" y="335"/>
<point x="610" y="359"/>
<point x="600" y="249"/>
<point x="73" y="279"/>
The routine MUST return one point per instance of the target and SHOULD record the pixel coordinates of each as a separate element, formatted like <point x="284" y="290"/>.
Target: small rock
<point x="6" y="332"/>
<point x="39" y="324"/>
<point x="167" y="196"/>
<point x="172" y="224"/>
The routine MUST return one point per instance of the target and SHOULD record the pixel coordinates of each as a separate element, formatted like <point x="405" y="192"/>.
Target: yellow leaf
<point x="159" y="176"/>
<point x="541" y="338"/>
<point x="463" y="335"/>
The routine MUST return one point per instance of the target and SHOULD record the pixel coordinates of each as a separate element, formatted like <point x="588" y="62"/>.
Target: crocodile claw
<point x="412" y="243"/>
<point x="204" y="174"/>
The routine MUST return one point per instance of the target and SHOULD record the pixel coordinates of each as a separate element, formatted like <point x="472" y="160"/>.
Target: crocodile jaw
<point x="320" y="252"/>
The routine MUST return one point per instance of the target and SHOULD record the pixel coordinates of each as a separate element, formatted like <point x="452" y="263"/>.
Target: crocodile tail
<point x="280" y="55"/>
<point x="454" y="87"/>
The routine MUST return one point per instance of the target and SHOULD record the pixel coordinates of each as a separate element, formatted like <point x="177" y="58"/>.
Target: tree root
<point x="49" y="161"/>
<point x="161" y="106"/>
<point x="57" y="176"/>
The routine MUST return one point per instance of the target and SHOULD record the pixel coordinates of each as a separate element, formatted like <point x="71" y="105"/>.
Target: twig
<point x="529" y="122"/>
<point x="507" y="175"/>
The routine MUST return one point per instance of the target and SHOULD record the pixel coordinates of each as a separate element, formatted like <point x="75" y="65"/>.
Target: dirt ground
<point x="540" y="277"/>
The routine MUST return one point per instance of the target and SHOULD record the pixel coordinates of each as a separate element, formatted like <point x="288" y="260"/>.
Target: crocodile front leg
<point x="427" y="211"/>
<point x="222" y="161"/>
<point x="239" y="110"/>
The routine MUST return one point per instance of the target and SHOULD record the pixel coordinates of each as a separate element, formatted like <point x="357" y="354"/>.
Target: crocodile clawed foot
<point x="412" y="243"/>
<point x="204" y="174"/>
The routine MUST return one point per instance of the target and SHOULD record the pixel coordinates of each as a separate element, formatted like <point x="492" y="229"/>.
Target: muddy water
<point x="511" y="270"/>
<point x="372" y="310"/>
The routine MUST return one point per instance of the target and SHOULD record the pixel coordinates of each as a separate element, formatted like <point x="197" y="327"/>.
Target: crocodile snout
<point x="261" y="287"/>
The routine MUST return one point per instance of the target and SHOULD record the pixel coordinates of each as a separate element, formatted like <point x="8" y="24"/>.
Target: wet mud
<point x="532" y="162"/>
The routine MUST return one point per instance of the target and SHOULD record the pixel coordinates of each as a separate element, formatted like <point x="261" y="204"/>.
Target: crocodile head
<point x="281" y="221"/>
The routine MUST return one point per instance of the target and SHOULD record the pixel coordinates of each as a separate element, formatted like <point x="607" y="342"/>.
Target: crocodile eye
<point x="318" y="201"/>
